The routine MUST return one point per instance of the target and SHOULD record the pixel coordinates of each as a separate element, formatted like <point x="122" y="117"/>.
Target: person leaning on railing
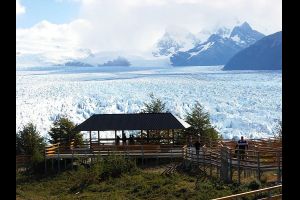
<point x="242" y="146"/>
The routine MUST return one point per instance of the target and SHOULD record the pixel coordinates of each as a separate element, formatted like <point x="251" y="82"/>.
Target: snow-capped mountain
<point x="218" y="48"/>
<point x="265" y="54"/>
<point x="244" y="35"/>
<point x="173" y="40"/>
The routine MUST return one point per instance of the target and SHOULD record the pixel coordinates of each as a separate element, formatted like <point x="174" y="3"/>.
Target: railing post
<point x="210" y="171"/>
<point x="142" y="146"/>
<point x="239" y="167"/>
<point x="279" y="172"/>
<point x="72" y="158"/>
<point x="230" y="166"/>
<point x="45" y="162"/>
<point x="258" y="166"/>
<point x="58" y="157"/>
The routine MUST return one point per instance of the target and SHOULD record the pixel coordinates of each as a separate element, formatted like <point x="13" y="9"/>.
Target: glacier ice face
<point x="239" y="102"/>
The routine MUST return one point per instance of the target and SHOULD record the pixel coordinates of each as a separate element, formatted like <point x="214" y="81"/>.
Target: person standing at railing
<point x="242" y="146"/>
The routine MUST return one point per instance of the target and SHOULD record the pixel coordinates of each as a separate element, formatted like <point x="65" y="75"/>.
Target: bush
<point x="114" y="166"/>
<point x="254" y="185"/>
<point x="84" y="177"/>
<point x="111" y="166"/>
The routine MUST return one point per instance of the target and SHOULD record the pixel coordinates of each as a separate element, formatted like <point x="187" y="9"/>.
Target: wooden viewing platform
<point x="264" y="155"/>
<point x="156" y="137"/>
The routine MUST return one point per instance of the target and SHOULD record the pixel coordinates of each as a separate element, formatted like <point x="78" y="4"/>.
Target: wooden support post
<point x="230" y="166"/>
<point x="98" y="138"/>
<point x="279" y="170"/>
<point x="148" y="136"/>
<point x="258" y="166"/>
<point x="72" y="158"/>
<point x="173" y="139"/>
<point x="58" y="158"/>
<point x="142" y="148"/>
<point x="123" y="136"/>
<point x="210" y="159"/>
<point x="45" y="162"/>
<point x="239" y="168"/>
<point x="142" y="137"/>
<point x="90" y="139"/>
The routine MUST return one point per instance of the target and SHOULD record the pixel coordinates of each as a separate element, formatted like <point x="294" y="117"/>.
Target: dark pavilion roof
<point x="140" y="121"/>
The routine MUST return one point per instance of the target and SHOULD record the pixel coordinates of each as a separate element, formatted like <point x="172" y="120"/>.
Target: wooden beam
<point x="142" y="136"/>
<point x="147" y="136"/>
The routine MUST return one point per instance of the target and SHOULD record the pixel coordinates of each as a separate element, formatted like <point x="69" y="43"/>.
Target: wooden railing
<point x="52" y="149"/>
<point x="253" y="160"/>
<point x="255" y="192"/>
<point x="22" y="160"/>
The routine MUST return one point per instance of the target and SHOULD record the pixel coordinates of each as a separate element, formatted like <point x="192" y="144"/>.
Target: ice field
<point x="245" y="103"/>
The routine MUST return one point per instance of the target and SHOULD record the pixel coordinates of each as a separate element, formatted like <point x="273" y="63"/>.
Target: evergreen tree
<point x="29" y="142"/>
<point x="63" y="131"/>
<point x="200" y="124"/>
<point x="155" y="106"/>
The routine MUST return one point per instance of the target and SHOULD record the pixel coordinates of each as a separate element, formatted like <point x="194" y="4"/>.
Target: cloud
<point x="135" y="25"/>
<point x="55" y="42"/>
<point x="20" y="9"/>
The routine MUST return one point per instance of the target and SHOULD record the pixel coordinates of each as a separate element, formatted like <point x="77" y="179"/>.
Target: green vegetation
<point x="155" y="106"/>
<point x="200" y="124"/>
<point x="118" y="178"/>
<point x="29" y="142"/>
<point x="63" y="131"/>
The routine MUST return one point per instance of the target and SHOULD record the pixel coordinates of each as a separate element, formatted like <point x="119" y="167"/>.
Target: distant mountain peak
<point x="223" y="32"/>
<point x="245" y="26"/>
<point x="173" y="40"/>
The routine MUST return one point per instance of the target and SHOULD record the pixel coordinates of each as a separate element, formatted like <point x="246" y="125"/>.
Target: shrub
<point x="254" y="185"/>
<point x="63" y="131"/>
<point x="114" y="166"/>
<point x="111" y="166"/>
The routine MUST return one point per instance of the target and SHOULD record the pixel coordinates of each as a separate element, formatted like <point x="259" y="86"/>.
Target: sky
<point x="130" y="25"/>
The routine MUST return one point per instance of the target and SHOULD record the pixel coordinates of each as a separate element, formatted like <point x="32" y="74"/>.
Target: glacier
<point x="247" y="103"/>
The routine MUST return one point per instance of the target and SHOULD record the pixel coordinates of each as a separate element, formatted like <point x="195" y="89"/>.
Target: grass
<point x="133" y="183"/>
